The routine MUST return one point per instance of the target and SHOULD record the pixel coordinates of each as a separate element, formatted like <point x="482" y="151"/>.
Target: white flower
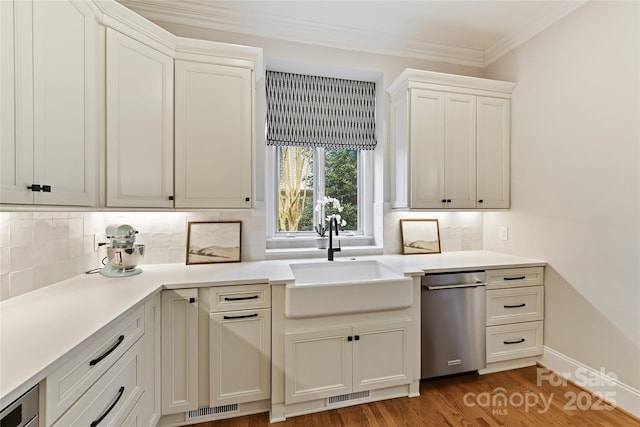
<point x="335" y="203"/>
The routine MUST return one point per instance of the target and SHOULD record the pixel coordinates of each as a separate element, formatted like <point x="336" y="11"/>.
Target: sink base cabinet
<point x="323" y="363"/>
<point x="332" y="362"/>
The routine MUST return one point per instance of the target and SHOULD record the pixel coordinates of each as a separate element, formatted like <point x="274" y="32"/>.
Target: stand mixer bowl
<point x="125" y="258"/>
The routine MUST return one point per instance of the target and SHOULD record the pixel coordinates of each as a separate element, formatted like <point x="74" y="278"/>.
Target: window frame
<point x="363" y="236"/>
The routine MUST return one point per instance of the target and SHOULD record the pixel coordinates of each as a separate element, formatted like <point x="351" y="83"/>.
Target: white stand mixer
<point x="122" y="254"/>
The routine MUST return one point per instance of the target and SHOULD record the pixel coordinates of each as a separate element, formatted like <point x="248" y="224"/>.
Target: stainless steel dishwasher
<point x="453" y="323"/>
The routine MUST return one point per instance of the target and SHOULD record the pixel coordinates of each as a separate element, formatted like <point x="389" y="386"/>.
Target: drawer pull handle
<point x="240" y="298"/>
<point x="108" y="352"/>
<point x="245" y="316"/>
<point x="514" y="342"/>
<point x="120" y="393"/>
<point x="515" y="278"/>
<point x="515" y="306"/>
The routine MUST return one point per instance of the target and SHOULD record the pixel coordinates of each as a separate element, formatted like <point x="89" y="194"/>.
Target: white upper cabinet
<point x="139" y="96"/>
<point x="213" y="139"/>
<point x="49" y="133"/>
<point x="215" y="131"/>
<point x="449" y="141"/>
<point x="493" y="148"/>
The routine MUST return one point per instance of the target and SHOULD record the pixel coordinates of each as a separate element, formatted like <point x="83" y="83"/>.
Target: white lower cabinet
<point x="240" y="349"/>
<point x="507" y="342"/>
<point x="239" y="344"/>
<point x="151" y="407"/>
<point x="216" y="352"/>
<point x="84" y="366"/>
<point x="514" y="316"/>
<point x="329" y="362"/>
<point x="113" y="378"/>
<point x="110" y="400"/>
<point x="179" y="350"/>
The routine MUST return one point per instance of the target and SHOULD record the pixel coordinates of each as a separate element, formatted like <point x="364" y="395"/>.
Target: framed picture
<point x="420" y="236"/>
<point x="213" y="242"/>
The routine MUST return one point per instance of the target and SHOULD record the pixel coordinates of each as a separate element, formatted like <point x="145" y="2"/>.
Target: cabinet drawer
<point x="241" y="297"/>
<point x="514" y="341"/>
<point x="515" y="305"/>
<point x="90" y="361"/>
<point x="112" y="397"/>
<point x="515" y="277"/>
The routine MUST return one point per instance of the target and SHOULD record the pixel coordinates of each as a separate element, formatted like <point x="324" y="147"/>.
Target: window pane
<point x="341" y="182"/>
<point x="295" y="189"/>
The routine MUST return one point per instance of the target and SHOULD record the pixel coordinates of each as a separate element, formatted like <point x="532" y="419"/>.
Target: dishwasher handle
<point x="463" y="285"/>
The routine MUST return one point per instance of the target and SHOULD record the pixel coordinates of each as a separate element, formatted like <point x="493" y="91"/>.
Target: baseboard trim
<point x="598" y="382"/>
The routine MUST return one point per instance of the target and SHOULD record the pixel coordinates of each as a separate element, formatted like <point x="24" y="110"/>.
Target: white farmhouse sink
<point x="343" y="287"/>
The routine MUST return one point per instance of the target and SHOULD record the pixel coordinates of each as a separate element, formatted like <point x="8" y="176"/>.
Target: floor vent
<point x="212" y="410"/>
<point x="351" y="396"/>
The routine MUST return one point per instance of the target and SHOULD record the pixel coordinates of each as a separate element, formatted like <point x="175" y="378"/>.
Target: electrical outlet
<point x="503" y="233"/>
<point x="99" y="240"/>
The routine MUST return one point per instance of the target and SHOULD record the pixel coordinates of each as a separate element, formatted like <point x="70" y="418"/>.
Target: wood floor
<point x="442" y="402"/>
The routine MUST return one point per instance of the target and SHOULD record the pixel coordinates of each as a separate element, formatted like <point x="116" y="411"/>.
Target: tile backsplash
<point x="41" y="248"/>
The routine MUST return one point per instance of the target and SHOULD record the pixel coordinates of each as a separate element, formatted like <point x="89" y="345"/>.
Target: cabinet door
<point x="179" y="350"/>
<point x="139" y="124"/>
<point x="318" y="364"/>
<point x="427" y="123"/>
<point x="65" y="52"/>
<point x="213" y="136"/>
<point x="460" y="151"/>
<point x="493" y="143"/>
<point x="16" y="99"/>
<point x="382" y="355"/>
<point x="240" y="356"/>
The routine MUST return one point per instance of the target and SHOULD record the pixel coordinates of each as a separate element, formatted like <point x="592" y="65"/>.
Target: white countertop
<point x="40" y="327"/>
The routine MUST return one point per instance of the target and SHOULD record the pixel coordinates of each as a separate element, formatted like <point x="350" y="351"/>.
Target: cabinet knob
<point x="170" y="197"/>
<point x="480" y="201"/>
<point x="192" y="300"/>
<point x="444" y="200"/>
<point x="247" y="199"/>
<point x="448" y="200"/>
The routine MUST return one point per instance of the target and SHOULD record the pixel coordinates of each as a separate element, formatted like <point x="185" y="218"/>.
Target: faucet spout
<point x="331" y="250"/>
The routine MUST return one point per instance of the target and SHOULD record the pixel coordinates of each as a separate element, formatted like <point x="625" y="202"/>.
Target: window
<point x="321" y="133"/>
<point x="306" y="175"/>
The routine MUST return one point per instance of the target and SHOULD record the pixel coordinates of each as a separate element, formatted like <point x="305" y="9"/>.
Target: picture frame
<point x="420" y="236"/>
<point x="213" y="242"/>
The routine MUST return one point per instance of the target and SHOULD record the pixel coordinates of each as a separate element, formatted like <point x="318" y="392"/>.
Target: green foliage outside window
<point x="297" y="202"/>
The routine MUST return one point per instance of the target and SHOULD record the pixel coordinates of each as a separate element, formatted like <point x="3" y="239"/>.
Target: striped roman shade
<point x="314" y="111"/>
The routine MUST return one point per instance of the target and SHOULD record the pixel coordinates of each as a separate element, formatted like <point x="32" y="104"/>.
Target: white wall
<point x="575" y="181"/>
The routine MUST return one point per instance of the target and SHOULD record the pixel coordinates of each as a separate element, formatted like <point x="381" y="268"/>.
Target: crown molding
<point x="549" y="15"/>
<point x="218" y="17"/>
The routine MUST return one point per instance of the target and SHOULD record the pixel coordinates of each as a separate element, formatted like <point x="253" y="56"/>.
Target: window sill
<point x="304" y="246"/>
